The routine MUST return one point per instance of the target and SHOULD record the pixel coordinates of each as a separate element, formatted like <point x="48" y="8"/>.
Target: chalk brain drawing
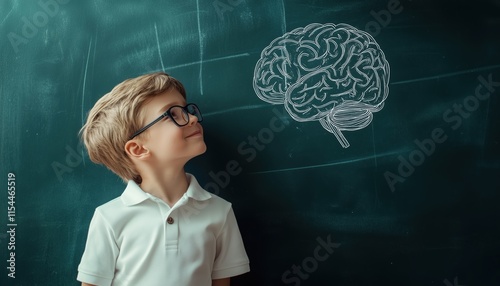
<point x="334" y="74"/>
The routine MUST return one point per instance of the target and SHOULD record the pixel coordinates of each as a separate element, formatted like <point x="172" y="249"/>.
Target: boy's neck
<point x="168" y="186"/>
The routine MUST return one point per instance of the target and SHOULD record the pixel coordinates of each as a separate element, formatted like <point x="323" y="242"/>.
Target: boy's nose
<point x="192" y="119"/>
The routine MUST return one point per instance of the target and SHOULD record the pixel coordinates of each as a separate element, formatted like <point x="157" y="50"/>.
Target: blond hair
<point x="117" y="115"/>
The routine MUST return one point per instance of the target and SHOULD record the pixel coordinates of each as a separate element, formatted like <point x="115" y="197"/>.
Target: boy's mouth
<point x="195" y="133"/>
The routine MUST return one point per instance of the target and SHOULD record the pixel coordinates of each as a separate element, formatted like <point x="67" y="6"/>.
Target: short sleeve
<point x="98" y="261"/>
<point x="231" y="258"/>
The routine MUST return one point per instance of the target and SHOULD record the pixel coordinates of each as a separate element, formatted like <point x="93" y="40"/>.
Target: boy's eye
<point x="175" y="115"/>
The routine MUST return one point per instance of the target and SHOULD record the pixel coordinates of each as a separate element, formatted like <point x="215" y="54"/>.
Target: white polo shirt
<point x="137" y="240"/>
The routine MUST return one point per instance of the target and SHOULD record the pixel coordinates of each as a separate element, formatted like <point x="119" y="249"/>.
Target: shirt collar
<point x="133" y="193"/>
<point x="195" y="191"/>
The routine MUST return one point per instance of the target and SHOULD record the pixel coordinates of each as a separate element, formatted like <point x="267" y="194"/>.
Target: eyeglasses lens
<point x="193" y="109"/>
<point x="180" y="114"/>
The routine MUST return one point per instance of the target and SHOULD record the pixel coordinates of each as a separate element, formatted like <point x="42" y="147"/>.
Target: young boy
<point x="164" y="229"/>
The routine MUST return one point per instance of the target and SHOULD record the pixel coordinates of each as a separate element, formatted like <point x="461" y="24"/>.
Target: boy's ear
<point x="136" y="150"/>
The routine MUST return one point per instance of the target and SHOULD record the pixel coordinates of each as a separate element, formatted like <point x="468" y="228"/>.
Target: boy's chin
<point x="201" y="151"/>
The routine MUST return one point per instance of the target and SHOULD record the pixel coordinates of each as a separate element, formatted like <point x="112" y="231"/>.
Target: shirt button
<point x="170" y="220"/>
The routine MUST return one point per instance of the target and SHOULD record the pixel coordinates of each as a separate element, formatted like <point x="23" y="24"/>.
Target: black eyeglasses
<point x="178" y="114"/>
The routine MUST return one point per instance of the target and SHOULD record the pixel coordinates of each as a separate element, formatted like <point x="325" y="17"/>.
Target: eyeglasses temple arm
<point x="146" y="127"/>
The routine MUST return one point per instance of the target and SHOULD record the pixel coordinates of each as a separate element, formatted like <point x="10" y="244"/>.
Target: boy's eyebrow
<point x="167" y="106"/>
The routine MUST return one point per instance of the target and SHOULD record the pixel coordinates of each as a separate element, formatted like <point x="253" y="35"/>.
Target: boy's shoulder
<point x="111" y="205"/>
<point x="118" y="208"/>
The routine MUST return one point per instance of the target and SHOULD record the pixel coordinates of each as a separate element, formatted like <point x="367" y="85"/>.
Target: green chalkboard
<point x="359" y="141"/>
